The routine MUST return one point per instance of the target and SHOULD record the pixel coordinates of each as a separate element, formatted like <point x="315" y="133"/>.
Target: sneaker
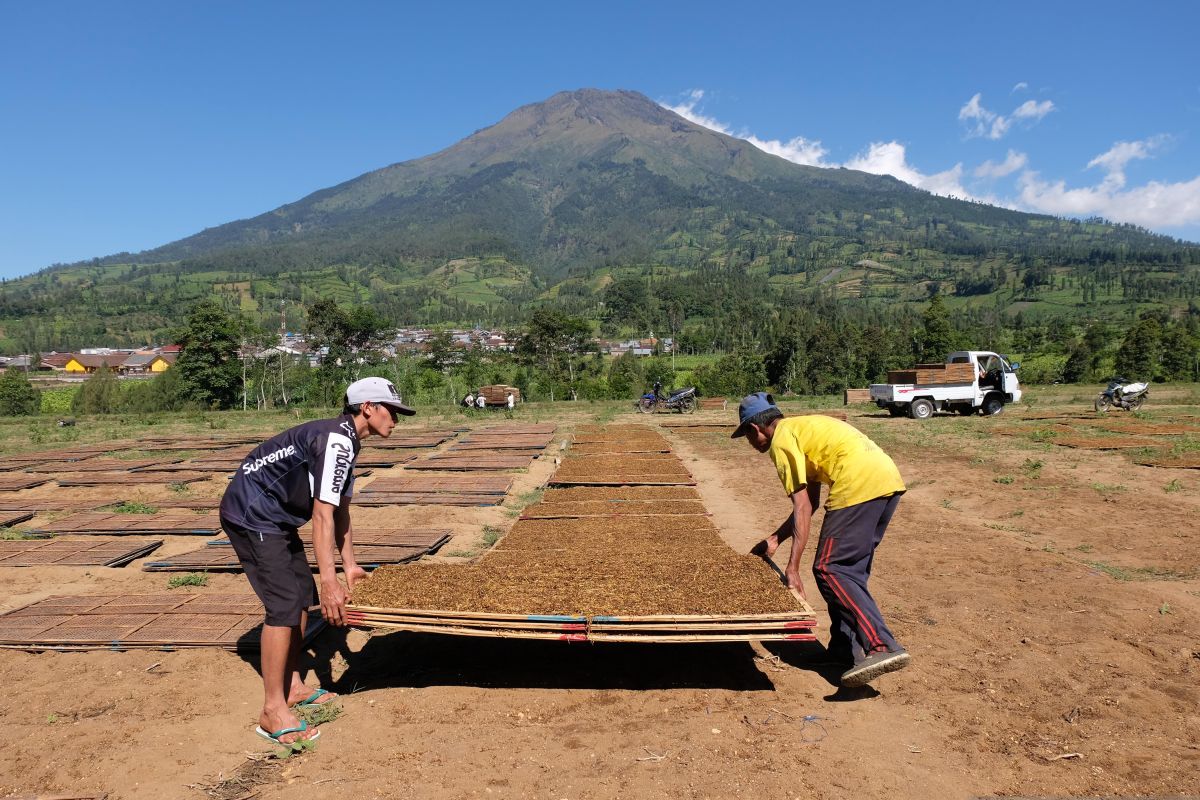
<point x="873" y="666"/>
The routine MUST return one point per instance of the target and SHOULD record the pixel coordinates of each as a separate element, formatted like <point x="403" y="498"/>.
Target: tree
<point x="1079" y="362"/>
<point x="99" y="394"/>
<point x="210" y="370"/>
<point x="348" y="340"/>
<point x="938" y="337"/>
<point x="553" y="342"/>
<point x="1138" y="356"/>
<point x="625" y="375"/>
<point x="18" y="398"/>
<point x="1179" y="354"/>
<point x="738" y="373"/>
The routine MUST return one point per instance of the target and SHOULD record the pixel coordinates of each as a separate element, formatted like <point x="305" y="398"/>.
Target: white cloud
<point x="1033" y="110"/>
<point x="881" y="158"/>
<point x="1113" y="161"/>
<point x="990" y="169"/>
<point x="1020" y="87"/>
<point x="891" y="158"/>
<point x="1153" y="205"/>
<point x="799" y="150"/>
<point x="983" y="122"/>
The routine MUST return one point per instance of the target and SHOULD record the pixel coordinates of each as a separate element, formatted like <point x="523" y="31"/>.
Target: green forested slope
<point x="562" y="197"/>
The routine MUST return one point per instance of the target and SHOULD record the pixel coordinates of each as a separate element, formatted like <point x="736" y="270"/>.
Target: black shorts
<point x="278" y="570"/>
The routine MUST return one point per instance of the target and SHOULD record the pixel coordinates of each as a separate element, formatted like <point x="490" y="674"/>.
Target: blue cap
<point x="752" y="405"/>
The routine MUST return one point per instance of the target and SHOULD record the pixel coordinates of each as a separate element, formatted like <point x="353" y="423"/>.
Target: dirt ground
<point x="1049" y="597"/>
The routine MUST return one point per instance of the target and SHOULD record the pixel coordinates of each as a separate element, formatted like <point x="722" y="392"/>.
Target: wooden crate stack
<point x="934" y="374"/>
<point x="497" y="394"/>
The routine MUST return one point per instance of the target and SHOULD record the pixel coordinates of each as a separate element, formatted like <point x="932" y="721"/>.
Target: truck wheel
<point x="920" y="409"/>
<point x="993" y="404"/>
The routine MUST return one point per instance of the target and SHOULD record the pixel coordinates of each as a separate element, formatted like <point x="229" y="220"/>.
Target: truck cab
<point x="986" y="387"/>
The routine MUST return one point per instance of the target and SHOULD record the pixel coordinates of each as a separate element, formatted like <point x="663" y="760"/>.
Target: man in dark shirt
<point x="305" y="473"/>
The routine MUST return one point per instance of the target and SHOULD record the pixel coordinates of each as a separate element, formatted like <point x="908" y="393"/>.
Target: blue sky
<point x="128" y="125"/>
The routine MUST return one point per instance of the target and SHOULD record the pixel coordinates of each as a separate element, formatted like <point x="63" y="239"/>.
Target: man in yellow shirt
<point x="864" y="490"/>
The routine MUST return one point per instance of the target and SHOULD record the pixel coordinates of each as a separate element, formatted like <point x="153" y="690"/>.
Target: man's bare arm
<point x="333" y="594"/>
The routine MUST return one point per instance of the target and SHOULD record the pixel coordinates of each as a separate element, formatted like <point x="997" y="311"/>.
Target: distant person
<point x="305" y="473"/>
<point x="480" y="401"/>
<point x="511" y="401"/>
<point x="864" y="490"/>
<point x="469" y="401"/>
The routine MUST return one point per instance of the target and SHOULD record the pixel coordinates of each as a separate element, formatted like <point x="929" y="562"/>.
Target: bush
<point x="18" y="398"/>
<point x="99" y="394"/>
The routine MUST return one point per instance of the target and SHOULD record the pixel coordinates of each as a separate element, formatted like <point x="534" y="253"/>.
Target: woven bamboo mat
<point x="609" y="508"/>
<point x="1104" y="442"/>
<point x="132" y="479"/>
<point x="381" y="458"/>
<point x="616" y="448"/>
<point x="429" y="538"/>
<point x="207" y="464"/>
<point x="122" y="622"/>
<point x="8" y="518"/>
<point x="1189" y="460"/>
<point x="15" y="483"/>
<point x="483" y="460"/>
<point x="102" y="465"/>
<point x="189" y="504"/>
<point x="620" y="494"/>
<point x="499" y="443"/>
<point x="59" y="502"/>
<point x="90" y="552"/>
<point x="458" y="484"/>
<point x="426" y="499"/>
<point x="223" y="559"/>
<point x="107" y="523"/>
<point x="534" y="429"/>
<point x="397" y="440"/>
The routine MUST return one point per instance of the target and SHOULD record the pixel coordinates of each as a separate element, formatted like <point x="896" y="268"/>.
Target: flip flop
<point x="312" y="699"/>
<point x="274" y="737"/>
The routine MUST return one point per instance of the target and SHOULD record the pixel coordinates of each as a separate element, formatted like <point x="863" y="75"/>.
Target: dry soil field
<point x="1049" y="595"/>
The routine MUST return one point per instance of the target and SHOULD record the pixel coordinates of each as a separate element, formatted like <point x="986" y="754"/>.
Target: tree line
<point x="227" y="361"/>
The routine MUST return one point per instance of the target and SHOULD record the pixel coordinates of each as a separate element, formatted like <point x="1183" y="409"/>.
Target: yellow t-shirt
<point x="827" y="450"/>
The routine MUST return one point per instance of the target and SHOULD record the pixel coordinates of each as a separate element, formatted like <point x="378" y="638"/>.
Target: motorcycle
<point x="1120" y="393"/>
<point x="681" y="400"/>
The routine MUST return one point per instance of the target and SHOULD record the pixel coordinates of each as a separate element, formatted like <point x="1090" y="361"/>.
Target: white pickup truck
<point x="994" y="384"/>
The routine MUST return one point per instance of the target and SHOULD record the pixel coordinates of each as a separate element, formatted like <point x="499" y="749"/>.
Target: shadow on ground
<point x="415" y="660"/>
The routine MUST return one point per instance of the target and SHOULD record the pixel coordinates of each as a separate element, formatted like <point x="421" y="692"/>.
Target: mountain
<point x="556" y="199"/>
<point x="587" y="176"/>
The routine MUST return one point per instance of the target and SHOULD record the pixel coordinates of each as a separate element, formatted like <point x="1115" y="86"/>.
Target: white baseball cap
<point x="376" y="390"/>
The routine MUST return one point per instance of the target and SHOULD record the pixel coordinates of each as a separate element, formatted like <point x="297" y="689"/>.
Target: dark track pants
<point x="842" y="567"/>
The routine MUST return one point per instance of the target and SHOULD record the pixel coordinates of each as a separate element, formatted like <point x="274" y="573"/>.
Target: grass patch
<point x="491" y="535"/>
<point x="190" y="579"/>
<point x="320" y="714"/>
<point x="996" y="526"/>
<point x="1105" y="488"/>
<point x="461" y="554"/>
<point x="521" y="501"/>
<point x="1004" y="479"/>
<point x="1033" y="468"/>
<point x="1137" y="573"/>
<point x="15" y="535"/>
<point x="1173" y="486"/>
<point x="129" y="507"/>
<point x="1085" y="548"/>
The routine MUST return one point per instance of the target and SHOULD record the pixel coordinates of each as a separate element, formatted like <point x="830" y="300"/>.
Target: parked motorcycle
<point x="1120" y="393"/>
<point x="681" y="400"/>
